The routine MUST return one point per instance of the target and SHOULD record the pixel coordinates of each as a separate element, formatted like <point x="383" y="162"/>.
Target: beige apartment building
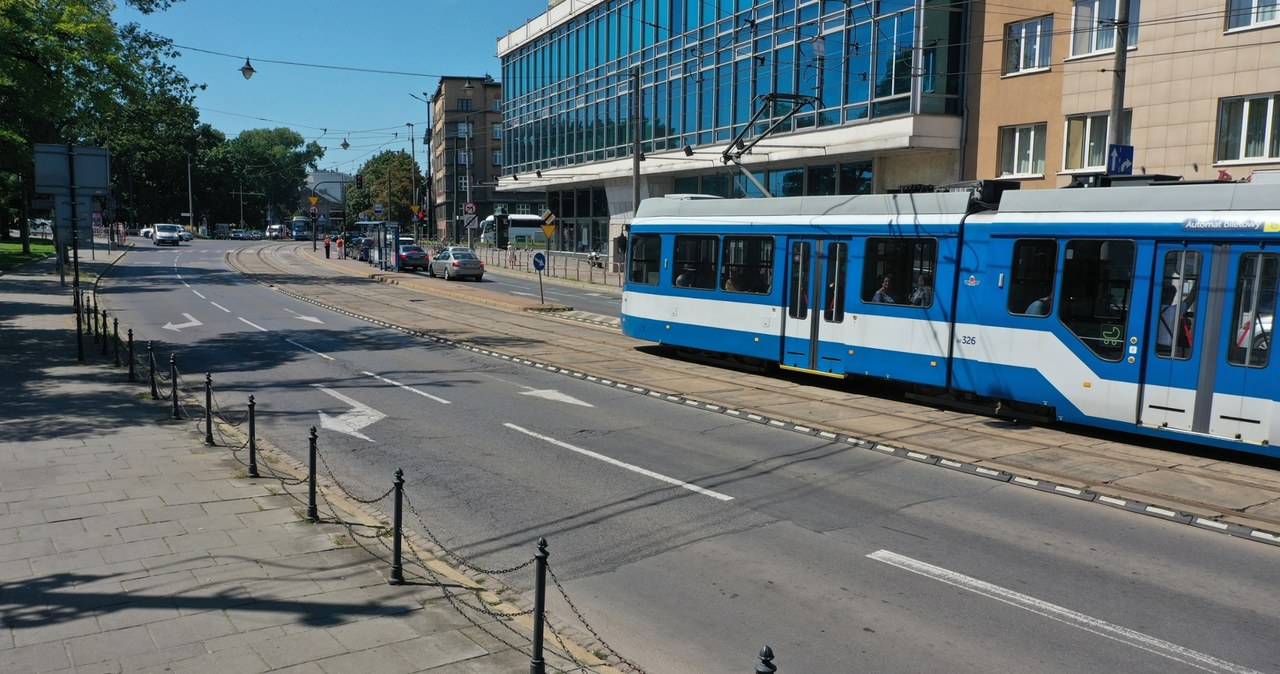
<point x="1202" y="88"/>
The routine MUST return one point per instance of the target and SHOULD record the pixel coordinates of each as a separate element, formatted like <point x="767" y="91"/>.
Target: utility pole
<point x="1121" y="64"/>
<point x="413" y="180"/>
<point x="636" y="154"/>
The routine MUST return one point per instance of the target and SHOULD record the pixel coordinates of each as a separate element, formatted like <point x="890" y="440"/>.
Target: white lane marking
<point x="313" y="319"/>
<point x="1063" y="615"/>
<point x="253" y="324"/>
<point x="411" y="389"/>
<point x="552" y="394"/>
<point x="220" y="307"/>
<point x="309" y="349"/>
<point x="351" y="421"/>
<point x="620" y="464"/>
<point x="191" y="323"/>
<point x="197" y="292"/>
<point x="516" y="292"/>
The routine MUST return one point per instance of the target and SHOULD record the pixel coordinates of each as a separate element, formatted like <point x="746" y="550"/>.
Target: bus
<point x="522" y="231"/>
<point x="300" y="228"/>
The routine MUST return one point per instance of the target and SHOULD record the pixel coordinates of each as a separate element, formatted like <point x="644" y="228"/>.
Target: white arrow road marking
<point x="411" y="389"/>
<point x="552" y="394"/>
<point x="250" y="323"/>
<point x="1124" y="635"/>
<point x="350" y="422"/>
<point x="313" y="319"/>
<point x="191" y="323"/>
<point x="610" y="460"/>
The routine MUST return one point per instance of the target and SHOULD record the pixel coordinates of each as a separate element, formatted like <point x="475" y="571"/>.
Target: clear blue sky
<point x="423" y="39"/>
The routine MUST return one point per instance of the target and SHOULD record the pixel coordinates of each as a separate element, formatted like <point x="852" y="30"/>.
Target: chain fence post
<point x="397" y="569"/>
<point x="208" y="409"/>
<point x="104" y="332"/>
<point x="151" y="369"/>
<point x="313" y="515"/>
<point x="766" y="665"/>
<point x="93" y="322"/>
<point x="253" y="443"/>
<point x="173" y="381"/>
<point x="133" y="375"/>
<point x="537" y="665"/>
<point x="78" y="299"/>
<point x="115" y="342"/>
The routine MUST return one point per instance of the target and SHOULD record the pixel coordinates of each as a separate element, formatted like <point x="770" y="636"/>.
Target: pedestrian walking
<point x="326" y="246"/>
<point x="511" y="256"/>
<point x="340" y="247"/>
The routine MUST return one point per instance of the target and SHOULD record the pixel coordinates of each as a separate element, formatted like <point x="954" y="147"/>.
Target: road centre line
<point x="620" y="464"/>
<point x="253" y="324"/>
<point x="307" y="348"/>
<point x="197" y="292"/>
<point x="1063" y="615"/>
<point x="411" y="389"/>
<point x="220" y="306"/>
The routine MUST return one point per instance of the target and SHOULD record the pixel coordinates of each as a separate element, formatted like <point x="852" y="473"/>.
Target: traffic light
<point x="359" y="181"/>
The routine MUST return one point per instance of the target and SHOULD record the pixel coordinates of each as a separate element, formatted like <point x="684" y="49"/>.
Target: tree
<point x="388" y="180"/>
<point x="274" y="162"/>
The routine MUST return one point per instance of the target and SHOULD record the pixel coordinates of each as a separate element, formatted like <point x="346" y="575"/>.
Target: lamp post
<point x="430" y="184"/>
<point x="413" y="172"/>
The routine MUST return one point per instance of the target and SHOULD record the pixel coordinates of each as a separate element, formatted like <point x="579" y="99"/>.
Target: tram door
<point x="817" y="276"/>
<point x="1209" y="369"/>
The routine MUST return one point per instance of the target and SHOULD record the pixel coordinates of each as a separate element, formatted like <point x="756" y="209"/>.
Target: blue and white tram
<point x="1146" y="309"/>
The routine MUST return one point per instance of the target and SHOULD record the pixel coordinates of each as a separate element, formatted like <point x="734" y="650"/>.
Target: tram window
<point x="1031" y="275"/>
<point x="1097" y="285"/>
<point x="1175" y="322"/>
<point x="695" y="262"/>
<point x="908" y="264"/>
<point x="1255" y="310"/>
<point x="837" y="264"/>
<point x="798" y="301"/>
<point x="748" y="264"/>
<point x="646" y="259"/>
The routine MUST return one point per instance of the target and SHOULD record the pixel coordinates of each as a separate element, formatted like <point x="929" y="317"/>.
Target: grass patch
<point x="11" y="253"/>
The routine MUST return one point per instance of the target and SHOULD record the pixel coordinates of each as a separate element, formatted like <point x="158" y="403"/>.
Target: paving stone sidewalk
<point x="127" y="545"/>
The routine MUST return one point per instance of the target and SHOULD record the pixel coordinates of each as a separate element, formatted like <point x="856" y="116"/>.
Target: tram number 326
<point x="968" y="339"/>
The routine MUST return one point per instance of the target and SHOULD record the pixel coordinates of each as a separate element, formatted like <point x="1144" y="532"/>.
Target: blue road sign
<point x="1120" y="160"/>
<point x="539" y="261"/>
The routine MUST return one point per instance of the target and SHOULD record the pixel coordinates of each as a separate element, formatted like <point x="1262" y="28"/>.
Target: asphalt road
<point x="690" y="539"/>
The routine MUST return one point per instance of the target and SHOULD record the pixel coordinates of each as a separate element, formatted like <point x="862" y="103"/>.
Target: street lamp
<point x="430" y="184"/>
<point x="413" y="174"/>
<point x="247" y="69"/>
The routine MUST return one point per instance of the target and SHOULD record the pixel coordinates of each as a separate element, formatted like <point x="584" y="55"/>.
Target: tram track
<point x="471" y="317"/>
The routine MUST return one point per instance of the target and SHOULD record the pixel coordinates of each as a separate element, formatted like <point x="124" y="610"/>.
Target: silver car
<point x="454" y="263"/>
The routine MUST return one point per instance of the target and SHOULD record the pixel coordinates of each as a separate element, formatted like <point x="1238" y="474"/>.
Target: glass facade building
<point x="703" y="63"/>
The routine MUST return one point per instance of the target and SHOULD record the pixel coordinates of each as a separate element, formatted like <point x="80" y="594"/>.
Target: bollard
<point x="313" y="515"/>
<point x="104" y="332"/>
<point x="133" y="375"/>
<point x="208" y="409"/>
<point x="173" y="380"/>
<point x="537" y="665"/>
<point x="115" y="342"/>
<point x="253" y="444"/>
<point x="397" y="569"/>
<point x="151" y="367"/>
<point x="766" y="662"/>
<point x="93" y="320"/>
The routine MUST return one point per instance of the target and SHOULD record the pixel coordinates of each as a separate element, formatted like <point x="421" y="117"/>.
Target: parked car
<point x="167" y="234"/>
<point x="412" y="257"/>
<point x="146" y="232"/>
<point x="453" y="263"/>
<point x="238" y="234"/>
<point x="187" y="236"/>
<point x="255" y="235"/>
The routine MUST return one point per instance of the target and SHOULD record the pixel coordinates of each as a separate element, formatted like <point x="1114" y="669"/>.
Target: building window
<point x="464" y="130"/>
<point x="497" y="105"/>
<point x="497" y="131"/>
<point x="497" y="157"/>
<point x="1086" y="146"/>
<point x="1022" y="150"/>
<point x="1093" y="26"/>
<point x="462" y="157"/>
<point x="464" y="104"/>
<point x="464" y="182"/>
<point x="1028" y="45"/>
<point x="1249" y="128"/>
<point x="1245" y="13"/>
<point x="1097" y="289"/>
